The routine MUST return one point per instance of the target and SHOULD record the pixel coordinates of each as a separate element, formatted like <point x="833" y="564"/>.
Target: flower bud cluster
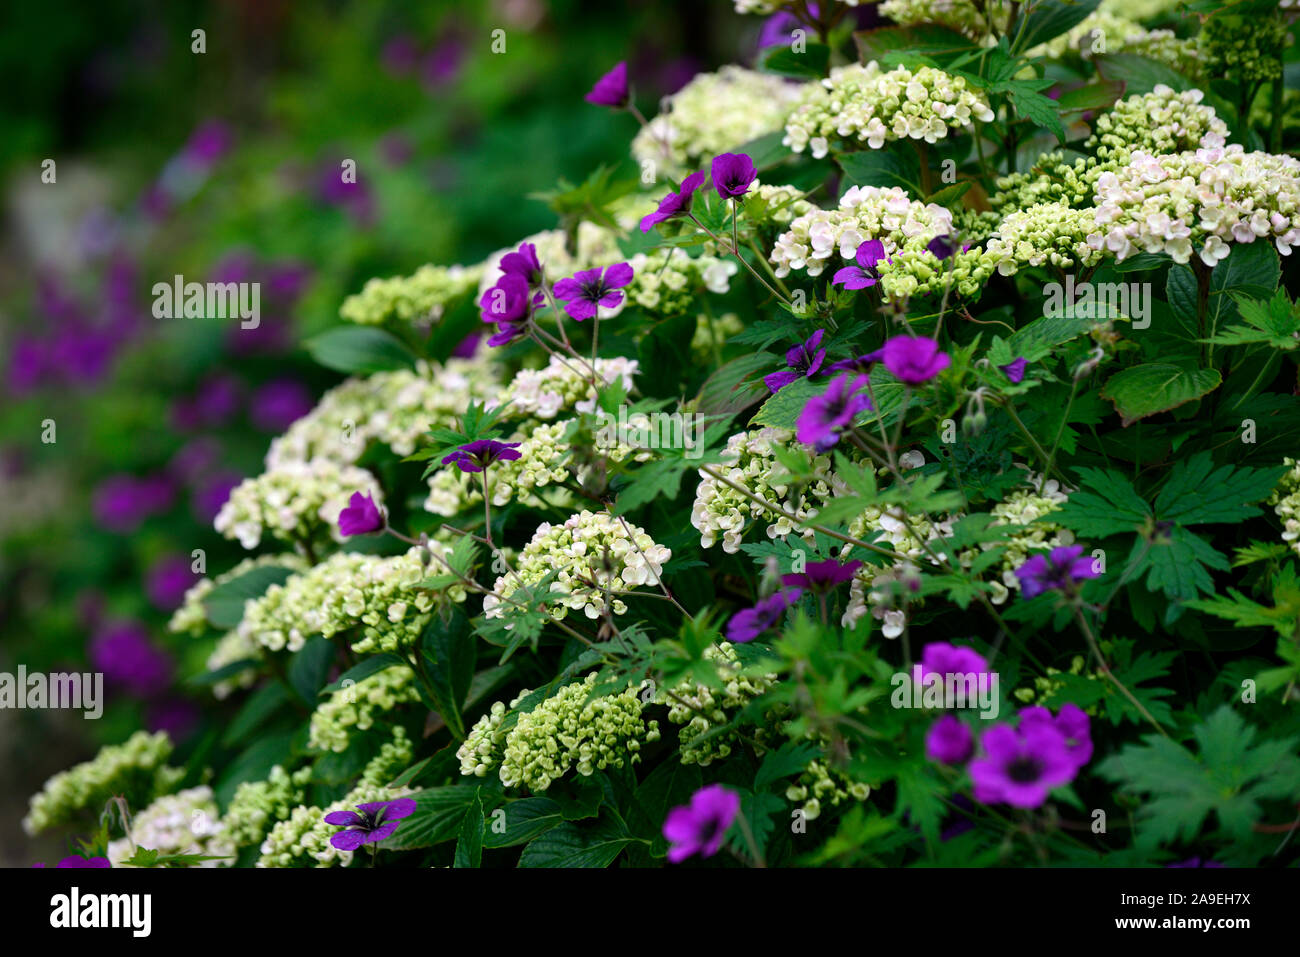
<point x="186" y="822"/>
<point x="421" y="297"/>
<point x="357" y="707"/>
<point x="296" y="502"/>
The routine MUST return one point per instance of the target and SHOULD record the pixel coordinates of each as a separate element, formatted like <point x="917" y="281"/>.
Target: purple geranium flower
<point x="588" y="290"/>
<point x="866" y="273"/>
<point x="523" y="262"/>
<point x="942" y="246"/>
<point x="510" y="306"/>
<point x="1015" y="370"/>
<point x="778" y="29"/>
<point x="699" y="827"/>
<point x="1058" y="570"/>
<point x="949" y="741"/>
<point x="1018" y="766"/>
<point x="611" y="89"/>
<point x="803" y="360"/>
<point x="674" y="204"/>
<point x="1073" y="724"/>
<point x="749" y="624"/>
<point x="733" y="174"/>
<point x="821" y="577"/>
<point x="369" y="823"/>
<point x="361" y="517"/>
<point x="912" y="359"/>
<point x="476" y="456"/>
<point x="1196" y="862"/>
<point x="942" y="659"/>
<point x="824" y="415"/>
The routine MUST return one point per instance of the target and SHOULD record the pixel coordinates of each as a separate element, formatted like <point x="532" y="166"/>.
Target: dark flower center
<point x="1024" y="770"/>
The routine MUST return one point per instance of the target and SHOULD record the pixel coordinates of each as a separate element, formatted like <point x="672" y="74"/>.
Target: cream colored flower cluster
<point x="749" y="461"/>
<point x="546" y="458"/>
<point x="563" y="384"/>
<point x="1029" y="508"/>
<point x="865" y="212"/>
<point x="573" y="730"/>
<point x="591" y="553"/>
<point x="714" y="113"/>
<point x="296" y="502"/>
<point x="186" y="822"/>
<point x="392" y="408"/>
<point x="420" y="297"/>
<point x="1162" y="121"/>
<point x="1286" y="504"/>
<point x="865" y="104"/>
<point x="1198" y="203"/>
<point x="356" y="707"/>
<point x="348" y="590"/>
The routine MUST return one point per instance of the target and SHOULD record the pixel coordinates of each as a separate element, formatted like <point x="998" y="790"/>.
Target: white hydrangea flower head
<point x="712" y="114"/>
<point x="1046" y="233"/>
<point x="563" y="385"/>
<point x="356" y="707"/>
<point x="720" y="512"/>
<point x="1286" y="504"/>
<point x="864" y="104"/>
<point x="1198" y="203"/>
<point x="590" y="554"/>
<point x="392" y="408"/>
<point x="294" y="502"/>
<point x="186" y="822"/>
<point x="865" y="212"/>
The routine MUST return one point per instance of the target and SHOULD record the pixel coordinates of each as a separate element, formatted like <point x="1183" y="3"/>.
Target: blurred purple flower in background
<point x="167" y="581"/>
<point x="212" y="493"/>
<point x="129" y="660"/>
<point x="122" y="502"/>
<point x="278" y="404"/>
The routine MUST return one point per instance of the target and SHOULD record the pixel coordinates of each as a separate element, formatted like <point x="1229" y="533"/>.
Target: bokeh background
<point x="224" y="166"/>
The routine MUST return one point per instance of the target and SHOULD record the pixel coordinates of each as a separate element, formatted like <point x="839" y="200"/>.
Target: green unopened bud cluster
<point x="865" y="104"/>
<point x="257" y="805"/>
<point x="1046" y="233"/>
<point x="296" y="502"/>
<point x="711" y="114"/>
<point x="822" y="785"/>
<point x="136" y="769"/>
<point x="593" y="553"/>
<point x="570" y="731"/>
<point x="964" y="16"/>
<point x="1162" y="121"/>
<point x="1246" y="49"/>
<point x="668" y="282"/>
<point x="357" y="707"/>
<point x="422" y="296"/>
<point x="1117" y="30"/>
<point x="1046" y="686"/>
<point x="186" y="822"/>
<point x="700" y="710"/>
